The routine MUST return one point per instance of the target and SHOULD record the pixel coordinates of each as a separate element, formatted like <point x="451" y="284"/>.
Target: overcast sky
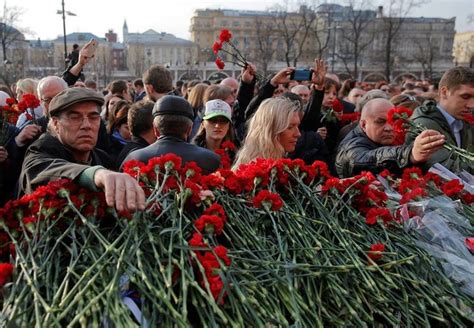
<point x="172" y="16"/>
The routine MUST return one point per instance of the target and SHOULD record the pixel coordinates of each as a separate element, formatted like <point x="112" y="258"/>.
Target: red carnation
<point x="29" y="100"/>
<point x="225" y="36"/>
<point x="6" y="271"/>
<point x="333" y="184"/>
<point x="220" y="63"/>
<point x="211" y="224"/>
<point x="192" y="171"/>
<point x="414" y="194"/>
<point x="216" y="209"/>
<point x="470" y="243"/>
<point x="413" y="173"/>
<point x="376" y="250"/>
<point x="469" y="118"/>
<point x="221" y="253"/>
<point x="468" y="198"/>
<point x="10" y="101"/>
<point x="216" y="47"/>
<point x="397" y="117"/>
<point x="452" y="188"/>
<point x="267" y="200"/>
<point x="228" y="146"/>
<point x="349" y="117"/>
<point x="374" y="214"/>
<point x="337" y="106"/>
<point x="197" y="241"/>
<point x="133" y="167"/>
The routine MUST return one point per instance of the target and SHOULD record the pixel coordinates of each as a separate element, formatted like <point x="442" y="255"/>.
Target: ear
<point x="156" y="132"/>
<point x="363" y="124"/>
<point x="149" y="89"/>
<point x="443" y="92"/>
<point x="188" y="131"/>
<point x="55" y="123"/>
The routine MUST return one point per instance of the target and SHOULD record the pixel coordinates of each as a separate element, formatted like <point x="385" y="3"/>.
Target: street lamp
<point x="63" y="12"/>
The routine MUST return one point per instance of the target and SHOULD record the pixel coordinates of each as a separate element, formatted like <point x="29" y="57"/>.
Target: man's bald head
<point x="373" y="122"/>
<point x="231" y="83"/>
<point x="48" y="87"/>
<point x="374" y="107"/>
<point x="302" y="91"/>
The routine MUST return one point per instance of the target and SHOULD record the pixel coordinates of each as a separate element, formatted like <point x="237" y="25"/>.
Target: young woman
<point x="216" y="129"/>
<point x="273" y="131"/>
<point x="117" y="127"/>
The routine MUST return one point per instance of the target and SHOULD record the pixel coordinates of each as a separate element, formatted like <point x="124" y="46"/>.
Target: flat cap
<point x="173" y="105"/>
<point x="71" y="96"/>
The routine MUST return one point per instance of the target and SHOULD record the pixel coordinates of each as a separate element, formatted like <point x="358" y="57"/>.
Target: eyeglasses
<point x="46" y="100"/>
<point x="77" y="119"/>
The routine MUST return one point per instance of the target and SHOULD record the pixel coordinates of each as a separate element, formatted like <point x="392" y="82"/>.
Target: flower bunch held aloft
<point x="225" y="44"/>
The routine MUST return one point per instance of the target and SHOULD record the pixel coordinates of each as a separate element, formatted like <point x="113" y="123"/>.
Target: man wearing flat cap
<point x="172" y="123"/>
<point x="71" y="153"/>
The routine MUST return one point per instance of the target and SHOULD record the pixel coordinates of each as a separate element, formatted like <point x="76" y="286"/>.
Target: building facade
<point x="151" y="47"/>
<point x="13" y="54"/>
<point x="463" y="50"/>
<point x="352" y="41"/>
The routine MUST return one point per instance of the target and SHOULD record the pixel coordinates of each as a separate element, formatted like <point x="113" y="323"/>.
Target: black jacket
<point x="204" y="158"/>
<point x="134" y="144"/>
<point x="310" y="147"/>
<point x="358" y="153"/>
<point x="48" y="159"/>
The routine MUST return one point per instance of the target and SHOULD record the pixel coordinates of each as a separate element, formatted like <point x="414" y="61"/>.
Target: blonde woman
<point x="27" y="86"/>
<point x="273" y="131"/>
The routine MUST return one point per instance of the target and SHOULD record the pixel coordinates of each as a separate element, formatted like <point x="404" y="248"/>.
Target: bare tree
<point x="265" y="35"/>
<point x="321" y="34"/>
<point x="356" y="33"/>
<point x="392" y="21"/>
<point x="9" y="34"/>
<point x="427" y="51"/>
<point x="293" y="30"/>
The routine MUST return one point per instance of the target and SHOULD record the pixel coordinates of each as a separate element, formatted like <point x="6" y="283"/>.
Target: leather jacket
<point x="358" y="153"/>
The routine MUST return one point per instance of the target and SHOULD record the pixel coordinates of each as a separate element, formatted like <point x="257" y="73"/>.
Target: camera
<point x="301" y="75"/>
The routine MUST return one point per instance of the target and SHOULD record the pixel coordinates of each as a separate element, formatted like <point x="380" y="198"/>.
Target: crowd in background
<point x="322" y="119"/>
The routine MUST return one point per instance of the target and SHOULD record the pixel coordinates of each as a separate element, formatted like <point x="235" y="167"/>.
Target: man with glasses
<point x="71" y="152"/>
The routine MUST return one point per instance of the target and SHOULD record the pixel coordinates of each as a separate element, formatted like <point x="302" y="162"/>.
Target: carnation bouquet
<point x="8" y="117"/>
<point x="224" y="44"/>
<point x="275" y="243"/>
<point x="399" y="118"/>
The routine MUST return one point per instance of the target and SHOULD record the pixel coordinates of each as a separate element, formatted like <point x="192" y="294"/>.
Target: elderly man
<point x="369" y="146"/>
<point x="173" y="121"/>
<point x="302" y="91"/>
<point x="71" y="153"/>
<point x="456" y="100"/>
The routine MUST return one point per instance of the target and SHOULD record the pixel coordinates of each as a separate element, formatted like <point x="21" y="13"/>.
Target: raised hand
<point x="282" y="77"/>
<point x="319" y="73"/>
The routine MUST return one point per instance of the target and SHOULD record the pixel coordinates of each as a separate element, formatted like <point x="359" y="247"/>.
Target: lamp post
<point x="63" y="13"/>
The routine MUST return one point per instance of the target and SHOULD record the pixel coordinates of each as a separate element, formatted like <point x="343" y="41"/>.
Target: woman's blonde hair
<point x="272" y="117"/>
<point x="27" y="85"/>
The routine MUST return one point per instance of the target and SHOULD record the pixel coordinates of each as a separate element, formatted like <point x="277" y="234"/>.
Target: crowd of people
<point x="87" y="135"/>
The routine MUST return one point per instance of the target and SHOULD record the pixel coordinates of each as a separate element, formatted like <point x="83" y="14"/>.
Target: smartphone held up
<point x="301" y="75"/>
